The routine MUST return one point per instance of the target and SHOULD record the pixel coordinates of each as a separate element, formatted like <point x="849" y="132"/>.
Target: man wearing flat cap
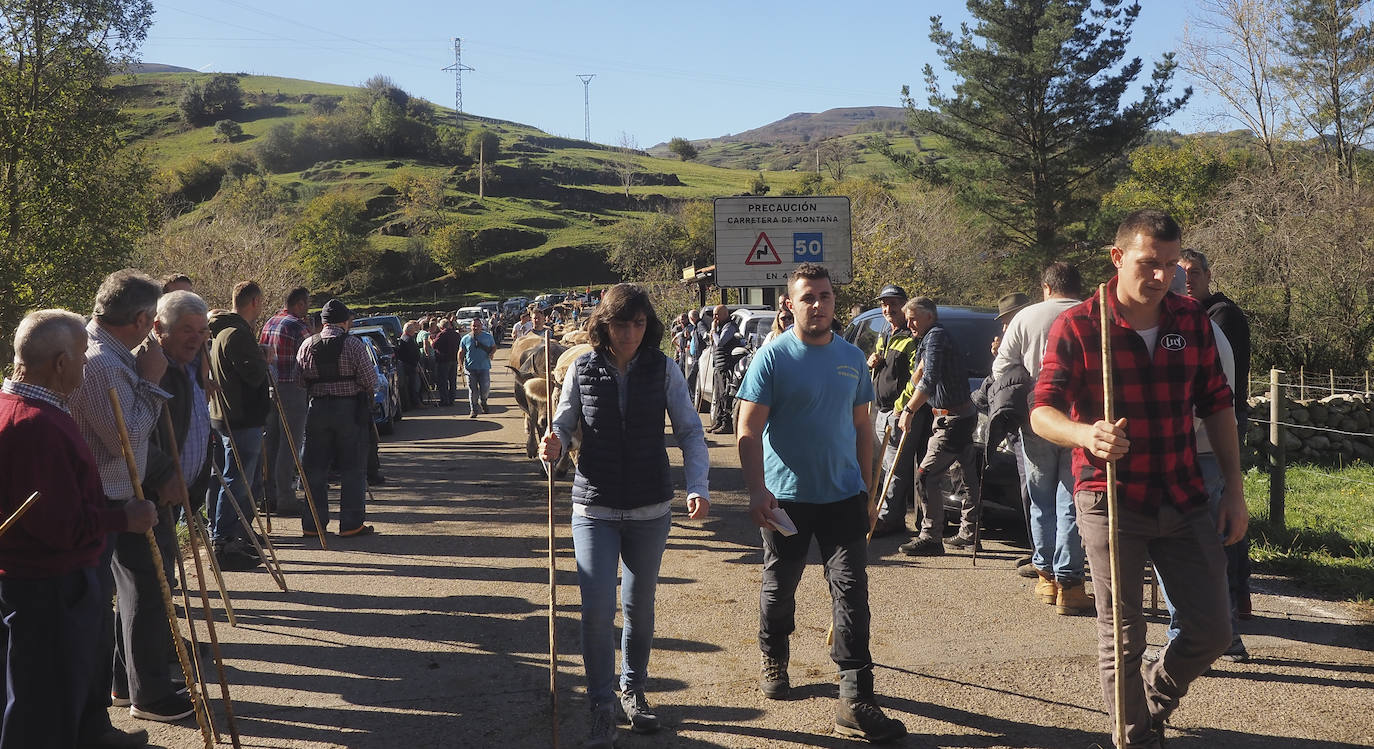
<point x="892" y="362"/>
<point x="341" y="381"/>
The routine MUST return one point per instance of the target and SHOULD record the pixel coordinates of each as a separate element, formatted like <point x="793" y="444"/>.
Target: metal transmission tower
<point x="587" y="106"/>
<point x="458" y="67"/>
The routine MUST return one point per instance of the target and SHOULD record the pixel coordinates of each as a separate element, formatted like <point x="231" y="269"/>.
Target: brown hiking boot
<point x="1073" y="600"/>
<point x="1046" y="589"/>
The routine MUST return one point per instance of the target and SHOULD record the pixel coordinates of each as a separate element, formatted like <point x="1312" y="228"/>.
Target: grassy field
<point x="1328" y="538"/>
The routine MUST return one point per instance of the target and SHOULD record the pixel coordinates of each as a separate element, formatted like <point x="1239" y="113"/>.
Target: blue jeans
<point x="1216" y="484"/>
<point x="249" y="442"/>
<point x="448" y="381"/>
<point x="1057" y="545"/>
<point x="479" y="385"/>
<point x="638" y="547"/>
<point x="334" y="435"/>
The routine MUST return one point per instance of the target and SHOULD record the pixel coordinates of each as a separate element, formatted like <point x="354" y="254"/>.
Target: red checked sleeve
<point x="1212" y="394"/>
<point x="1061" y="372"/>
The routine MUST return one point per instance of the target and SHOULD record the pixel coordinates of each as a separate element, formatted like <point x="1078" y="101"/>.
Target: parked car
<point x="466" y="315"/>
<point x="391" y="323"/>
<point x="495" y="324"/>
<point x="386" y="407"/>
<point x="754" y="322"/>
<point x="973" y="329"/>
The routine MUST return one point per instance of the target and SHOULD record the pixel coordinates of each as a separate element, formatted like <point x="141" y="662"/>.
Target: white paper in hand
<point x="782" y="523"/>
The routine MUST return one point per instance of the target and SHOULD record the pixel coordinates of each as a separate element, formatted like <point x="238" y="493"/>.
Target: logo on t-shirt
<point x="1173" y="342"/>
<point x="844" y="370"/>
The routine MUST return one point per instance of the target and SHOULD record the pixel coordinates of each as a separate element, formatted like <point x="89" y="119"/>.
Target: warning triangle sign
<point x="763" y="252"/>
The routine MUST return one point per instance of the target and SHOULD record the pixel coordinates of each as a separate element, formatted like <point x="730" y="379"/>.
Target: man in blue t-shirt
<point x="805" y="449"/>
<point x="477" y="347"/>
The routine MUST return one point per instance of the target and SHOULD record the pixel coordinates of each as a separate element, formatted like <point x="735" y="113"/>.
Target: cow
<point x="527" y="363"/>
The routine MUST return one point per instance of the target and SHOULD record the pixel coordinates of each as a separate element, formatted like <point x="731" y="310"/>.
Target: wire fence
<point x="1318" y="384"/>
<point x="1313" y="428"/>
<point x="1322" y="419"/>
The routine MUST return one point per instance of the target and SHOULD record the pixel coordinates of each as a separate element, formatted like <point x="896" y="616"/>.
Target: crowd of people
<point x="211" y="409"/>
<point x="248" y="413"/>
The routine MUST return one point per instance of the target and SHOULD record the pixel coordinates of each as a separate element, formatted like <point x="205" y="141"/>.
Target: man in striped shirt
<point x="125" y="307"/>
<point x="341" y="381"/>
<point x="1165" y="368"/>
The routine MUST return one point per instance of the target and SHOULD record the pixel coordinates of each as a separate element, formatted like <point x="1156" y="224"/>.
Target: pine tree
<point x="1330" y="45"/>
<point x="1035" y="119"/>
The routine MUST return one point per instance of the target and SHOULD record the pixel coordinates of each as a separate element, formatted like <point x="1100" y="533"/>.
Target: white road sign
<point x="760" y="240"/>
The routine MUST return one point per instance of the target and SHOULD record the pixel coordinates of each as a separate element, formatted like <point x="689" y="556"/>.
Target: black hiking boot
<point x="863" y="719"/>
<point x="774" y="682"/>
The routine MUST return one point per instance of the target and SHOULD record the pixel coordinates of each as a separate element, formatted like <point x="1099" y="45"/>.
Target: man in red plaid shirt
<point x="1164" y="368"/>
<point x="281" y="338"/>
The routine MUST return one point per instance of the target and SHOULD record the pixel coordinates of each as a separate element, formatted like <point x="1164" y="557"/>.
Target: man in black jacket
<point x="240" y="413"/>
<point x="1231" y="319"/>
<point x="725" y="338"/>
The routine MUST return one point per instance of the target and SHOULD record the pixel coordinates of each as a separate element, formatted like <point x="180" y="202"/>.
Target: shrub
<point x="228" y="130"/>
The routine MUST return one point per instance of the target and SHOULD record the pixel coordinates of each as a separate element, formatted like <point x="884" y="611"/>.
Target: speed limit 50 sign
<point x="760" y="240"/>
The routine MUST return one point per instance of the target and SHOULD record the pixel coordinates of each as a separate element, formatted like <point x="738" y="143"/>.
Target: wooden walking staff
<point x="195" y="641"/>
<point x="192" y="687"/>
<point x="1113" y="519"/>
<point x="553" y="561"/>
<point x="209" y="614"/>
<point x="271" y="555"/>
<point x="882" y="501"/>
<point x="194" y="528"/>
<point x="273" y="568"/>
<point x="295" y="455"/>
<point x="19" y="513"/>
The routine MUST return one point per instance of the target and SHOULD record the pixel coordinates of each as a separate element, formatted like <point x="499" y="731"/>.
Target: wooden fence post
<point x="1332" y="372"/>
<point x="1276" y="452"/>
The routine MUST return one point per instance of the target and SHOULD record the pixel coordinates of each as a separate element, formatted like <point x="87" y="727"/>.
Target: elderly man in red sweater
<point x="50" y="595"/>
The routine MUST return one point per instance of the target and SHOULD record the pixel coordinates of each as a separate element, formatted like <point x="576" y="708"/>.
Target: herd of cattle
<point x="535" y="391"/>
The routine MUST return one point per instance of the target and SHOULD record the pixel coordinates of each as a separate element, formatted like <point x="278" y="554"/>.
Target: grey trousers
<point x="1189" y="558"/>
<point x="948" y="452"/>
<point x="142" y="635"/>
<point x="281" y="467"/>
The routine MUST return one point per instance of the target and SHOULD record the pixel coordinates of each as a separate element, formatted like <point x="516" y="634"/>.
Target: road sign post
<point x="760" y="240"/>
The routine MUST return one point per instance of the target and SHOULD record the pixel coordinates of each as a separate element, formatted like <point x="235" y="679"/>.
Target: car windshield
<point x="468" y="314"/>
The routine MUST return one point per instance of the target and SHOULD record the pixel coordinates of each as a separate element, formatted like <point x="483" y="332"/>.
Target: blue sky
<point x="662" y="69"/>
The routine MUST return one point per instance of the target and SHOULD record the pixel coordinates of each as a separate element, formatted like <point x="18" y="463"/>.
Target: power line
<point x="587" y="105"/>
<point x="458" y="67"/>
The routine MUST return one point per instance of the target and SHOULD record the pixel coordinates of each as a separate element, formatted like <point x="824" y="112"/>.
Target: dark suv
<point x="973" y="328"/>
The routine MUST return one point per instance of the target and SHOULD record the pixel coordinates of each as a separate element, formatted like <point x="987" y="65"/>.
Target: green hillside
<point x="548" y="199"/>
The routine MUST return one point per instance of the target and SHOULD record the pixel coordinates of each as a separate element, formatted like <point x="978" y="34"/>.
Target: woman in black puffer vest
<point x="622" y="495"/>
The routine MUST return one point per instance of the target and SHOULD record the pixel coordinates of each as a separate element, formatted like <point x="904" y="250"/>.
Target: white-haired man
<point x="50" y="592"/>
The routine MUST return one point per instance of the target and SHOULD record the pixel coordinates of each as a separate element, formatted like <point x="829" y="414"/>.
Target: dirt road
<point x="434" y="633"/>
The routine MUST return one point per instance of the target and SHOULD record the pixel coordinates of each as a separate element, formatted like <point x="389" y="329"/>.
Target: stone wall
<point x="1309" y="441"/>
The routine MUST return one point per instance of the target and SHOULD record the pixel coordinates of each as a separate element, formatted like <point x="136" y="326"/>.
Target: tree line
<point x="1034" y="134"/>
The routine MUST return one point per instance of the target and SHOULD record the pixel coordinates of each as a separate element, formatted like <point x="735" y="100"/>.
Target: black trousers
<point x="49" y="637"/>
<point x="841" y="530"/>
<point x="722" y="403"/>
<point x="142" y="635"/>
